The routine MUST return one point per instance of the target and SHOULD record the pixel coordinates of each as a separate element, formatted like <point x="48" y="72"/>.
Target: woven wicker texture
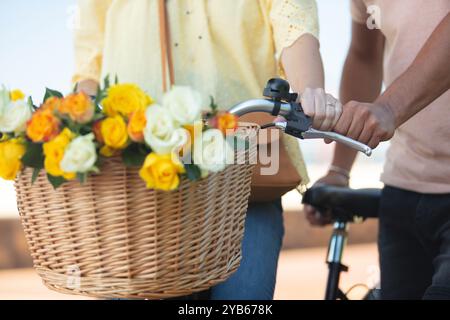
<point x="113" y="238"/>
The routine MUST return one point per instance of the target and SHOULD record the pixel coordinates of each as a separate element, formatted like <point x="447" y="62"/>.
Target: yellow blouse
<point x="223" y="48"/>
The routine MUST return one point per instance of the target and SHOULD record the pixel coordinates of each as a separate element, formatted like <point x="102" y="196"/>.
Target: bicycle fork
<point x="334" y="260"/>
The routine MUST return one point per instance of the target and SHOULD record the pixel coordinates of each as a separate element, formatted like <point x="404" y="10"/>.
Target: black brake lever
<point x="297" y="122"/>
<point x="280" y="101"/>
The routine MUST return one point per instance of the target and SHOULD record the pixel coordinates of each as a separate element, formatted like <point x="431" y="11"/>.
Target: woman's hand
<point x="303" y="66"/>
<point x="323" y="108"/>
<point x="90" y="87"/>
<point x="314" y="216"/>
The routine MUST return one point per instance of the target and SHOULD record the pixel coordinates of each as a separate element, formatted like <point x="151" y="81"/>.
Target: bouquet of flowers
<point x="68" y="136"/>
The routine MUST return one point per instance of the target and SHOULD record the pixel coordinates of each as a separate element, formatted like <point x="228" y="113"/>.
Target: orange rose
<point x="52" y="104"/>
<point x="225" y="122"/>
<point x="97" y="130"/>
<point x="136" y="125"/>
<point x="78" y="106"/>
<point x="43" y="126"/>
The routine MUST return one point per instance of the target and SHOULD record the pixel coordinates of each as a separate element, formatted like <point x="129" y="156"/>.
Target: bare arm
<point x="303" y="66"/>
<point x="362" y="79"/>
<point x="88" y="44"/>
<point x="424" y="81"/>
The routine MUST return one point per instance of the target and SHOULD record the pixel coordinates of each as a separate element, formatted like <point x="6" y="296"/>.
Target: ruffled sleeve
<point x="290" y="20"/>
<point x="89" y="38"/>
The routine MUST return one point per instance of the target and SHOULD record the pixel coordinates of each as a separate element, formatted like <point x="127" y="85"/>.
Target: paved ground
<point x="302" y="275"/>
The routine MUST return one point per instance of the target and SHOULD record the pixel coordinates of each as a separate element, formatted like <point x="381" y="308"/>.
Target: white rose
<point x="184" y="104"/>
<point x="4" y="100"/>
<point x="80" y="155"/>
<point x="162" y="133"/>
<point x="212" y="152"/>
<point x="15" y="116"/>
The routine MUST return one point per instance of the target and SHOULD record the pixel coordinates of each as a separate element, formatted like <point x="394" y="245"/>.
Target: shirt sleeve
<point x="290" y="20"/>
<point x="358" y="11"/>
<point x="89" y="38"/>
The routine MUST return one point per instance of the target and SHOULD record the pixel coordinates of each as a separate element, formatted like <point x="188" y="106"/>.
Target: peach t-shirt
<point x="419" y="156"/>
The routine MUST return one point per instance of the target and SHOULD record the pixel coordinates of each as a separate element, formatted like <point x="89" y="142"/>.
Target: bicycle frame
<point x="334" y="260"/>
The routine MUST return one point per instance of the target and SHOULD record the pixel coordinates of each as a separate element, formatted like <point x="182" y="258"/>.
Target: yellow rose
<point x="194" y="130"/>
<point x="11" y="153"/>
<point x="124" y="99"/>
<point x="78" y="106"/>
<point x="17" y="95"/>
<point x="161" y="172"/>
<point x="114" y="132"/>
<point x="54" y="153"/>
<point x="108" y="152"/>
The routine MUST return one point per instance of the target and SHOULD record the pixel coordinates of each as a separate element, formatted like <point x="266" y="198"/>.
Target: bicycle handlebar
<point x="302" y="130"/>
<point x="260" y="105"/>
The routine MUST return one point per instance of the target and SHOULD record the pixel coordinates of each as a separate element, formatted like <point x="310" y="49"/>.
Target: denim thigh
<point x="256" y="276"/>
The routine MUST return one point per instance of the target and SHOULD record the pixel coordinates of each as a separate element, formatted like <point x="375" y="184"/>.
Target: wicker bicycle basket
<point x="113" y="238"/>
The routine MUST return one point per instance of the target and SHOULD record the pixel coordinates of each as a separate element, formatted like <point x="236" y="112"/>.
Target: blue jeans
<point x="256" y="276"/>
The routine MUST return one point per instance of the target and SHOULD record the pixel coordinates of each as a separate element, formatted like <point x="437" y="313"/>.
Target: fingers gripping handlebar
<point x="280" y="102"/>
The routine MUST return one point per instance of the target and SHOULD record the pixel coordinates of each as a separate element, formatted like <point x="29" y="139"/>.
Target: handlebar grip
<point x="316" y="134"/>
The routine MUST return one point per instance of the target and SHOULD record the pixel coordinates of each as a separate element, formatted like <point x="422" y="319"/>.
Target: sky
<point x="36" y="43"/>
<point x="36" y="51"/>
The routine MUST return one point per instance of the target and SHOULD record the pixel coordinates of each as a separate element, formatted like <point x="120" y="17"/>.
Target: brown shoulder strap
<point x="166" y="52"/>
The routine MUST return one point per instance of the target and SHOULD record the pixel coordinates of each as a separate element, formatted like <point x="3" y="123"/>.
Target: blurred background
<point x="37" y="52"/>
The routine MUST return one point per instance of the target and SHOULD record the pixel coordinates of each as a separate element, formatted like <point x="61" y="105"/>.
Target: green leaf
<point x="34" y="156"/>
<point x="75" y="88"/>
<point x="52" y="93"/>
<point x="101" y="94"/>
<point x="85" y="129"/>
<point x="98" y="99"/>
<point x="82" y="177"/>
<point x="116" y="79"/>
<point x="56" y="182"/>
<point x="35" y="175"/>
<point x="134" y="155"/>
<point x="97" y="117"/>
<point x="213" y="106"/>
<point x="106" y="83"/>
<point x="193" y="172"/>
<point x="31" y="104"/>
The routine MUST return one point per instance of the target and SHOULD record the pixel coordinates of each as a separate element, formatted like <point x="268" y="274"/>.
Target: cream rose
<point x="212" y="152"/>
<point x="80" y="155"/>
<point x="4" y="100"/>
<point x="184" y="104"/>
<point x="15" y="116"/>
<point x="162" y="133"/>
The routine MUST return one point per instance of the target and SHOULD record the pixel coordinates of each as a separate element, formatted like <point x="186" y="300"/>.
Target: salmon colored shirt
<point x="224" y="48"/>
<point x="419" y="156"/>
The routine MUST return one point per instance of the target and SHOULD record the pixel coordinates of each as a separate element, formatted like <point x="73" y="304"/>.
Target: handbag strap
<point x="166" y="52"/>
